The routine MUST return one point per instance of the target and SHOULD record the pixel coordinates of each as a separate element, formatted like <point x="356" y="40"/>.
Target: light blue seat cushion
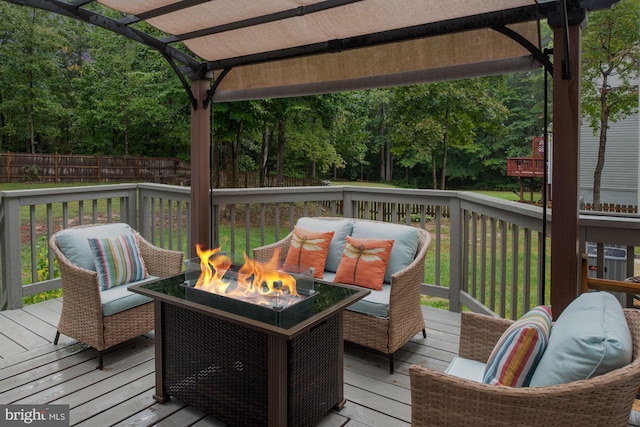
<point x="341" y="228"/>
<point x="466" y="368"/>
<point x="74" y="243"/>
<point x="405" y="243"/>
<point x="375" y="304"/>
<point x="119" y="298"/>
<point x="591" y="337"/>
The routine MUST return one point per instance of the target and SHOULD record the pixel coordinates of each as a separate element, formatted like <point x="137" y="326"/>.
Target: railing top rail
<point x="317" y="193"/>
<point x="504" y="210"/>
<point x="67" y="194"/>
<point x="619" y="229"/>
<point x="164" y="188"/>
<point x="615" y="218"/>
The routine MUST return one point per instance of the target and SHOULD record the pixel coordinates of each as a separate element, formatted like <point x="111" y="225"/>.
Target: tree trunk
<point x="281" y="146"/>
<point x="389" y="161"/>
<point x="434" y="172"/>
<point x="4" y="142"/>
<point x="235" y="156"/>
<point x="32" y="132"/>
<point x="604" y="125"/>
<point x="126" y="134"/>
<point x="445" y="143"/>
<point x="383" y="175"/>
<point x="264" y="155"/>
<point x="313" y="169"/>
<point x="215" y="159"/>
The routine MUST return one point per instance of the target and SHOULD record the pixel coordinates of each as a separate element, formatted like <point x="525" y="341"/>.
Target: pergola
<point x="229" y="50"/>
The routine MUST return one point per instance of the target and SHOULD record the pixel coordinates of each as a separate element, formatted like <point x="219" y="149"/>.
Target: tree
<point x="611" y="47"/>
<point x="430" y="119"/>
<point x="31" y="76"/>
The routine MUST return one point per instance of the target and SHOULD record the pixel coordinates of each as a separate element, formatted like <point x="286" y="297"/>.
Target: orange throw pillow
<point x="308" y="250"/>
<point x="364" y="262"/>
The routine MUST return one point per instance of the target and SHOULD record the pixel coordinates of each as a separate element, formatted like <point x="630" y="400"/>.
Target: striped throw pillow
<point x="118" y="260"/>
<point x="518" y="351"/>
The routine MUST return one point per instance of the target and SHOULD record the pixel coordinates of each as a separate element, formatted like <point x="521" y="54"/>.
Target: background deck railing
<point x="485" y="253"/>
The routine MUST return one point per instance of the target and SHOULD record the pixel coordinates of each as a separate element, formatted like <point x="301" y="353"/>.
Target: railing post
<point x="11" y="260"/>
<point x="132" y="208"/>
<point x="145" y="218"/>
<point x="347" y="204"/>
<point x="455" y="254"/>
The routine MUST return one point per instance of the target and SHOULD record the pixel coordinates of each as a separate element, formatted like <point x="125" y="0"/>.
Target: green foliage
<point x="42" y="268"/>
<point x="31" y="173"/>
<point x="431" y="120"/>
<point x="74" y="88"/>
<point x="611" y="50"/>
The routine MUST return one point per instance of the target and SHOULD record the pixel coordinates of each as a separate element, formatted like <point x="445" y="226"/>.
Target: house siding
<point x="620" y="176"/>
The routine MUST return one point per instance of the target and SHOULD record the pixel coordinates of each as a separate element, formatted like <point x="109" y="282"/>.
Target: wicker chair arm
<point x="406" y="283"/>
<point x="265" y="253"/>
<point x="78" y="284"/>
<point x="160" y="262"/>
<point x="478" y="335"/>
<point x="444" y="400"/>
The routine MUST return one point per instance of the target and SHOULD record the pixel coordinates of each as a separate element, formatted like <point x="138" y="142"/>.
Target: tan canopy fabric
<point x="281" y="48"/>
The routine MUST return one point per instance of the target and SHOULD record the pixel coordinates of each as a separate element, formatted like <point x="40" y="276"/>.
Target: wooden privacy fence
<point x="246" y="179"/>
<point x="391" y="212"/>
<point x="611" y="207"/>
<point x="23" y="167"/>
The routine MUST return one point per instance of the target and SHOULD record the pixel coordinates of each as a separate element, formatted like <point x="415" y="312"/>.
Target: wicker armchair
<point x="405" y="319"/>
<point x="439" y="399"/>
<point x="82" y="317"/>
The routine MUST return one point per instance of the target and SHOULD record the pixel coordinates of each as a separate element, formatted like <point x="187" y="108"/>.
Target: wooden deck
<point x="35" y="371"/>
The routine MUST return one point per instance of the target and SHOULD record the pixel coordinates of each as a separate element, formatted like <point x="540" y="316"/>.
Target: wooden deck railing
<point x="485" y="252"/>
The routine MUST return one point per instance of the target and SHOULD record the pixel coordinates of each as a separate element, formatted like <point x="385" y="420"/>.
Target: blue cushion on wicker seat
<point x="119" y="298"/>
<point x="466" y="368"/>
<point x="375" y="304"/>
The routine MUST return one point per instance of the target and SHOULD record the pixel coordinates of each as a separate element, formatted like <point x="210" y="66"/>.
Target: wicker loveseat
<point x="384" y="320"/>
<point x="104" y="318"/>
<point x="442" y="399"/>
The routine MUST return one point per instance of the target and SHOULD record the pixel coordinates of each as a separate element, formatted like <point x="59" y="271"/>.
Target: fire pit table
<point x="247" y="364"/>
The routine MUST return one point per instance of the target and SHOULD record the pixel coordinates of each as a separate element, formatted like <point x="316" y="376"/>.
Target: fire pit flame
<point x="259" y="283"/>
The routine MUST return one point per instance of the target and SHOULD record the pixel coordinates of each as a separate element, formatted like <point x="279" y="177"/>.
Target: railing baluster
<point x="515" y="231"/>
<point x="503" y="268"/>
<point x="492" y="266"/>
<point x="33" y="241"/>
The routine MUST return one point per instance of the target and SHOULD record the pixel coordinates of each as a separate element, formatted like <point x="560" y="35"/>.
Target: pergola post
<point x="565" y="251"/>
<point x="200" y="166"/>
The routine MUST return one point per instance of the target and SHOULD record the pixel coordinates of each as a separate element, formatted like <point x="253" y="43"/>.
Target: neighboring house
<point x="620" y="175"/>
